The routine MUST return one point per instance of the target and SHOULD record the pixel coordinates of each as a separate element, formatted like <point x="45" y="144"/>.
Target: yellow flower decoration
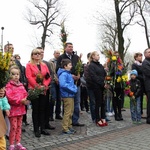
<point x="119" y="79"/>
<point x="114" y="58"/>
<point x="125" y="78"/>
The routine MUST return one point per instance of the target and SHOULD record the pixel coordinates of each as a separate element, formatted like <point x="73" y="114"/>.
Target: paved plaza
<point x="118" y="135"/>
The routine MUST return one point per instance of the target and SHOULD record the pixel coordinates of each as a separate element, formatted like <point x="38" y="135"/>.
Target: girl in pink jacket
<point x="16" y="95"/>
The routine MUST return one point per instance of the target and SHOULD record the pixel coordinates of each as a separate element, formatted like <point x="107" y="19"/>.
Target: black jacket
<point x="146" y="73"/>
<point x="74" y="59"/>
<point x="135" y="87"/>
<point x="97" y="74"/>
<point x="138" y="68"/>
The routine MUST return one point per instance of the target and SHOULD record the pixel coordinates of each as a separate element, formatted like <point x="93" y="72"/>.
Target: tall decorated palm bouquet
<point x="116" y="71"/>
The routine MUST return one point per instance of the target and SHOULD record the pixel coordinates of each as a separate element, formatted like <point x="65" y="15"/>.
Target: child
<point x="2" y="131"/>
<point x="135" y="103"/>
<point x="67" y="90"/>
<point x="5" y="107"/>
<point x="16" y="94"/>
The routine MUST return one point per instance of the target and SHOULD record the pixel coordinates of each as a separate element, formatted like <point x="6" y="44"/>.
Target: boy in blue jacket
<point x="67" y="90"/>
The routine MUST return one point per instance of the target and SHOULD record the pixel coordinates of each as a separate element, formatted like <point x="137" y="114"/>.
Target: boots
<point x="120" y="116"/>
<point x="117" y="118"/>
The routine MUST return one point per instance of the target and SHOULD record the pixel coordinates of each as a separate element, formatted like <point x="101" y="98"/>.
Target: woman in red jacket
<point x="38" y="75"/>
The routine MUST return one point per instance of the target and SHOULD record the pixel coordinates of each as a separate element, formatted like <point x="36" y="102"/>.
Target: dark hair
<point x="65" y="62"/>
<point x="88" y="55"/>
<point x="146" y="50"/>
<point x="137" y="54"/>
<point x="68" y="43"/>
<point x="39" y="47"/>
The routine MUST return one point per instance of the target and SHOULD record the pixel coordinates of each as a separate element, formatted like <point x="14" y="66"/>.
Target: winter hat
<point x="134" y="72"/>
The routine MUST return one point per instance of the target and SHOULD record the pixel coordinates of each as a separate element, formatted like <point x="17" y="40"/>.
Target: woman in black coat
<point x="97" y="74"/>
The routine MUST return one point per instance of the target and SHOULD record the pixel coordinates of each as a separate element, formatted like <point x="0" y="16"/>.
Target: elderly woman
<point x="38" y="75"/>
<point x="97" y="75"/>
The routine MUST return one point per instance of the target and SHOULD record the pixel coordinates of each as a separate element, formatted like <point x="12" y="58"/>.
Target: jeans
<point x="92" y="103"/>
<point x="135" y="109"/>
<point x="55" y="97"/>
<point x="109" y="107"/>
<point x="76" y="112"/>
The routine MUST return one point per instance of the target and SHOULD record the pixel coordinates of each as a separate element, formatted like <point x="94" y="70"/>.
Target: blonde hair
<point x="13" y="67"/>
<point x="34" y="51"/>
<point x="91" y="55"/>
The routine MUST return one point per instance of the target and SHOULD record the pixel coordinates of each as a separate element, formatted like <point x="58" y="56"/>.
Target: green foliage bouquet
<point x="4" y="66"/>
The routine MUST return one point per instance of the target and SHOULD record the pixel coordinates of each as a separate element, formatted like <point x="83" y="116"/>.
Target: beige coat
<point x="2" y="124"/>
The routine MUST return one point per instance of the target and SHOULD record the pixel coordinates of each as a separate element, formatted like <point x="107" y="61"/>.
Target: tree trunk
<point x="120" y="31"/>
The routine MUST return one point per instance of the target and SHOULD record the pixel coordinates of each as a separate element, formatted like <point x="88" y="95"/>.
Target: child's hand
<point x="26" y="102"/>
<point x="7" y="113"/>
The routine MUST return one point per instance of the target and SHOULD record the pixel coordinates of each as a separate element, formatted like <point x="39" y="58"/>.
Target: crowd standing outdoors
<point x="63" y="87"/>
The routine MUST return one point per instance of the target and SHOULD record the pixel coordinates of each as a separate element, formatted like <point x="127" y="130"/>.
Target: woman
<point x="97" y="74"/>
<point x="38" y="75"/>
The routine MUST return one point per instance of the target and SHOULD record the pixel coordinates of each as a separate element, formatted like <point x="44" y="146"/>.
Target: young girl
<point x="16" y="94"/>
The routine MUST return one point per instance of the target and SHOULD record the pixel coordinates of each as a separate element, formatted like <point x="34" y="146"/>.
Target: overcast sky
<point x="80" y="25"/>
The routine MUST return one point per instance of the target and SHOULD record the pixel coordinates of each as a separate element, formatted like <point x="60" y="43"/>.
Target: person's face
<point x="12" y="61"/>
<point x="36" y="55"/>
<point x="133" y="76"/>
<point x="69" y="49"/>
<point x="68" y="67"/>
<point x="15" y="75"/>
<point x="139" y="58"/>
<point x="42" y="53"/>
<point x="56" y="54"/>
<point x="9" y="48"/>
<point x="147" y="53"/>
<point x="2" y="92"/>
<point x="96" y="57"/>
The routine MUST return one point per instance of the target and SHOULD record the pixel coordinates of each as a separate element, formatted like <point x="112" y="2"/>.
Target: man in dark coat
<point x="146" y="75"/>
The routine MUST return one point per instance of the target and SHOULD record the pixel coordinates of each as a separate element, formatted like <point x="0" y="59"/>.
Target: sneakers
<point x="72" y="130"/>
<point x="67" y="132"/>
<point x="134" y="122"/>
<point x="11" y="147"/>
<point x="19" y="147"/>
<point x="109" y="114"/>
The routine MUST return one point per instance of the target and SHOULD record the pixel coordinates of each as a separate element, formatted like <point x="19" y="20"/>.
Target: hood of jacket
<point x="61" y="70"/>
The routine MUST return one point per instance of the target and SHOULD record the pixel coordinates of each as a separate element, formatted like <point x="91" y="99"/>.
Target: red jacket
<point x="15" y="93"/>
<point x="31" y="72"/>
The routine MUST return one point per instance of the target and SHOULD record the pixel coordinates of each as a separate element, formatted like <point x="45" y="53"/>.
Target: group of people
<point x="59" y="82"/>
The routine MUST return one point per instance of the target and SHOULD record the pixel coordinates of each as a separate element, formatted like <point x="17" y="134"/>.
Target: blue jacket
<point x="66" y="83"/>
<point x="4" y="105"/>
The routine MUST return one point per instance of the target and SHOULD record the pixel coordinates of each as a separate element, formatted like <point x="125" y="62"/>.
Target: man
<point x="137" y="65"/>
<point x="146" y="76"/>
<point x="54" y="90"/>
<point x="47" y="125"/>
<point x="69" y="54"/>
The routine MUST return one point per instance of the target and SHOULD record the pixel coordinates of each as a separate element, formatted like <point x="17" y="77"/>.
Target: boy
<point x="135" y="103"/>
<point x="67" y="90"/>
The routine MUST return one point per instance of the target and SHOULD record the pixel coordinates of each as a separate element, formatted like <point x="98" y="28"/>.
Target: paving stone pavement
<point x="118" y="135"/>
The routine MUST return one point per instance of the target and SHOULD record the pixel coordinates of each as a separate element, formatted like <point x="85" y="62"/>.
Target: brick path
<point x="121" y="135"/>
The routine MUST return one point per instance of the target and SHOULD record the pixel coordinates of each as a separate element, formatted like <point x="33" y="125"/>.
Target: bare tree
<point x="143" y="11"/>
<point x="125" y="11"/>
<point x="44" y="15"/>
<point x="109" y="35"/>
